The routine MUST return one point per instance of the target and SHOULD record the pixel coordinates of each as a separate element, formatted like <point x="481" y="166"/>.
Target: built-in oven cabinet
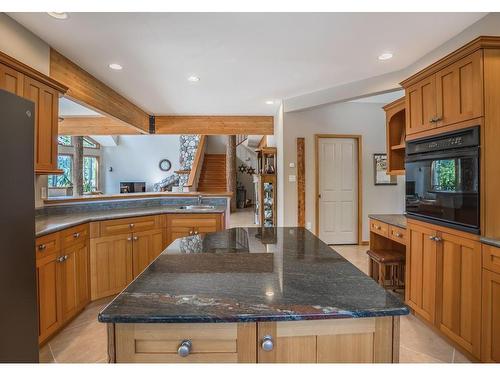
<point x="443" y="281"/>
<point x="452" y="95"/>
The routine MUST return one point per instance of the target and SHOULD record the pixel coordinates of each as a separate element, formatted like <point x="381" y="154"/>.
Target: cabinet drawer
<point x="379" y="227"/>
<point x="47" y="245"/>
<point x="397" y="234"/>
<point x="202" y="223"/>
<point x="491" y="258"/>
<point x="129" y="225"/>
<point x="74" y="235"/>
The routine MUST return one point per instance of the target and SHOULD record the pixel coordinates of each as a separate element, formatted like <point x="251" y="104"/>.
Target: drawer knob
<point x="184" y="348"/>
<point x="129" y="238"/>
<point x="195" y="232"/>
<point x="267" y="343"/>
<point x="379" y="227"/>
<point x="42" y="247"/>
<point x="397" y="234"/>
<point x="131" y="225"/>
<point x="76" y="235"/>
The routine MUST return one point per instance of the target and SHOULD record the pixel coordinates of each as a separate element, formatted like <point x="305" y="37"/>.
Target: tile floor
<point x="84" y="339"/>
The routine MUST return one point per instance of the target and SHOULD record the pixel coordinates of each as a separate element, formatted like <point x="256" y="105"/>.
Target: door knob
<point x="184" y="348"/>
<point x="267" y="343"/>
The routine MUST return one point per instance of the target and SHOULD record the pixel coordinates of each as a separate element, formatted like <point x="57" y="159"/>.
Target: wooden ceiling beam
<point x="94" y="125"/>
<point x="213" y="125"/>
<point x="87" y="90"/>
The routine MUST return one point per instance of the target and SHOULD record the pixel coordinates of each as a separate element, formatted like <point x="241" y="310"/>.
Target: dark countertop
<point x="233" y="276"/>
<point x="398" y="220"/>
<point x="45" y="224"/>
<point x="491" y="241"/>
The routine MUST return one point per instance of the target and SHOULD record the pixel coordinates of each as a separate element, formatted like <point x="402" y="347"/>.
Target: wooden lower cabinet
<point x="147" y="246"/>
<point x="458" y="314"/>
<point x="48" y="295"/>
<point x="421" y="262"/>
<point x="182" y="225"/>
<point x="110" y="264"/>
<point x="490" y="350"/>
<point x="364" y="340"/>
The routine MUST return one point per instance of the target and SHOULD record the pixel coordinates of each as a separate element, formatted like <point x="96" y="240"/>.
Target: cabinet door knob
<point x="136" y="238"/>
<point x="42" y="247"/>
<point x="267" y="343"/>
<point x="129" y="238"/>
<point x="437" y="239"/>
<point x="184" y="348"/>
<point x="60" y="259"/>
<point x="76" y="235"/>
<point x="195" y="232"/>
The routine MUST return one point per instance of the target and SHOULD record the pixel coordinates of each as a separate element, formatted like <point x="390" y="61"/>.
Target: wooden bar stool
<point x="382" y="261"/>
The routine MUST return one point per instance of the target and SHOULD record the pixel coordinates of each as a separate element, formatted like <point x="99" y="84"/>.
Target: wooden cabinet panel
<point x="490" y="349"/>
<point x="421" y="106"/>
<point x="110" y="264"/>
<point x="460" y="91"/>
<point x="459" y="291"/>
<point x="491" y="258"/>
<point x="146" y="247"/>
<point x="182" y="225"/>
<point x="397" y="234"/>
<point x="11" y="80"/>
<point x="46" y="101"/>
<point x="421" y="263"/>
<point x="49" y="297"/>
<point x="72" y="236"/>
<point x="47" y="245"/>
<point x="379" y="227"/>
<point x="129" y="225"/>
<point x="74" y="279"/>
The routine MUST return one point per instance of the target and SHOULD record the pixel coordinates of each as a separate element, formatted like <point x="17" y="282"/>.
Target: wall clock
<point x="165" y="165"/>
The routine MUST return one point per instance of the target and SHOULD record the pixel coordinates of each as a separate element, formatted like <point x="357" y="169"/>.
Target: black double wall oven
<point x="442" y="179"/>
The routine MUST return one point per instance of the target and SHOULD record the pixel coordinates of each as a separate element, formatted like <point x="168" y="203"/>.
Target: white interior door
<point x="338" y="190"/>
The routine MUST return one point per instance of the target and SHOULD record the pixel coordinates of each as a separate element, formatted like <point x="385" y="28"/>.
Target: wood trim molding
<point x="94" y="125"/>
<point x="301" y="183"/>
<point x="359" y="141"/>
<point x="395" y="104"/>
<point x="89" y="91"/>
<point x="478" y="43"/>
<point x="213" y="125"/>
<point x="197" y="162"/>
<point x="32" y="73"/>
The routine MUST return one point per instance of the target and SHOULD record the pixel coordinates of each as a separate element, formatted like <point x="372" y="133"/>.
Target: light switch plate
<point x="292" y="178"/>
<point x="291" y="165"/>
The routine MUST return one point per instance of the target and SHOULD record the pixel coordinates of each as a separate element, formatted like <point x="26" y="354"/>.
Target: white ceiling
<point x="242" y="59"/>
<point x="381" y="98"/>
<point x="70" y="108"/>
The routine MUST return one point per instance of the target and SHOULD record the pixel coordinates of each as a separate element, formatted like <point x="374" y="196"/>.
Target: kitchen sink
<point x="197" y="207"/>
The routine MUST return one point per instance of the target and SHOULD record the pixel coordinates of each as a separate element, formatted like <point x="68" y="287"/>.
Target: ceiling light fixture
<point x="269" y="102"/>
<point x="385" y="56"/>
<point x="115" y="66"/>
<point x="193" y="79"/>
<point x="58" y="15"/>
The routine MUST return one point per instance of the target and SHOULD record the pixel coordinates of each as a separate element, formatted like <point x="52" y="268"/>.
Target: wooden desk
<point x="388" y="232"/>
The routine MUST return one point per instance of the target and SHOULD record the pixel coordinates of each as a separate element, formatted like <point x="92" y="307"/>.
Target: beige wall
<point x="365" y="119"/>
<point x="18" y="42"/>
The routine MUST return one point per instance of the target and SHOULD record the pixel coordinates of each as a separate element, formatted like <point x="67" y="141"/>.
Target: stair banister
<point x="194" y="175"/>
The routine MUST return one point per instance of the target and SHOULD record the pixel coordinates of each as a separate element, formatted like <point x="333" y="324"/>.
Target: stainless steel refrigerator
<point x="18" y="296"/>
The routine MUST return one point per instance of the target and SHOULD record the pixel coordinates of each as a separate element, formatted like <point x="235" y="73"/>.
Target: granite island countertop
<point x="46" y="224"/>
<point x="250" y="274"/>
<point x="398" y="220"/>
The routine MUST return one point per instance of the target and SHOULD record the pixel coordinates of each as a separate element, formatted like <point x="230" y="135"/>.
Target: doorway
<point x="338" y="188"/>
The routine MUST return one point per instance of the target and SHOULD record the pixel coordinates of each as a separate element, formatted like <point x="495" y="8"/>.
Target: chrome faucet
<point x="200" y="197"/>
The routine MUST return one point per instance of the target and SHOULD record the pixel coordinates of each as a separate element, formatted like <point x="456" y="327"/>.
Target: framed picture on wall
<point x="380" y="171"/>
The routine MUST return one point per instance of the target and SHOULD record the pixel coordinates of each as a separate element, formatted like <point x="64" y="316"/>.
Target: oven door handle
<point x="470" y="151"/>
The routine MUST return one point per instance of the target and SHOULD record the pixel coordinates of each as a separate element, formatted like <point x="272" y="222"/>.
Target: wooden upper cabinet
<point x="459" y="90"/>
<point x="421" y="267"/>
<point x="46" y="101"/>
<point x="421" y="106"/>
<point x="395" y="114"/>
<point x="490" y="347"/>
<point x="459" y="291"/>
<point x="11" y="80"/>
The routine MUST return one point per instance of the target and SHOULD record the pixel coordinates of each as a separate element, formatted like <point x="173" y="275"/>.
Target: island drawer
<point x="46" y="245"/>
<point x="74" y="235"/>
<point x="379" y="227"/>
<point x="161" y="343"/>
<point x="397" y="234"/>
<point x="491" y="258"/>
<point x="129" y="225"/>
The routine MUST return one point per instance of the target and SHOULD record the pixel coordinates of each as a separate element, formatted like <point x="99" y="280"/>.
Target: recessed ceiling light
<point x="193" y="78"/>
<point x="58" y="15"/>
<point x="115" y="66"/>
<point x="269" y="102"/>
<point x="385" y="56"/>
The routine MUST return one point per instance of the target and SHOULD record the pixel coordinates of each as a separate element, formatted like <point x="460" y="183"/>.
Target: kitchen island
<point x="253" y="295"/>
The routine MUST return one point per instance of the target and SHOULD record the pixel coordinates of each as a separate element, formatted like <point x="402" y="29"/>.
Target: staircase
<point x="213" y="174"/>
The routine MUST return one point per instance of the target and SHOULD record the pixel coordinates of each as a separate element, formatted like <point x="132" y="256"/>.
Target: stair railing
<point x="194" y="174"/>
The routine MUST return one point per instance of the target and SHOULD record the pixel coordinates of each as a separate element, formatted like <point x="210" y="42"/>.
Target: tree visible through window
<point x="64" y="140"/>
<point x="90" y="173"/>
<point x="444" y="175"/>
<point x="89" y="143"/>
<point x="64" y="162"/>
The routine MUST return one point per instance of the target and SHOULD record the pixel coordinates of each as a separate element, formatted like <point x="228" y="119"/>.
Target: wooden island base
<point x="361" y="340"/>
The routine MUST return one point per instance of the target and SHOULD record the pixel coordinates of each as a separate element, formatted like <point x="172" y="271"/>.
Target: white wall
<point x="365" y="119"/>
<point x="136" y="158"/>
<point x="216" y="144"/>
